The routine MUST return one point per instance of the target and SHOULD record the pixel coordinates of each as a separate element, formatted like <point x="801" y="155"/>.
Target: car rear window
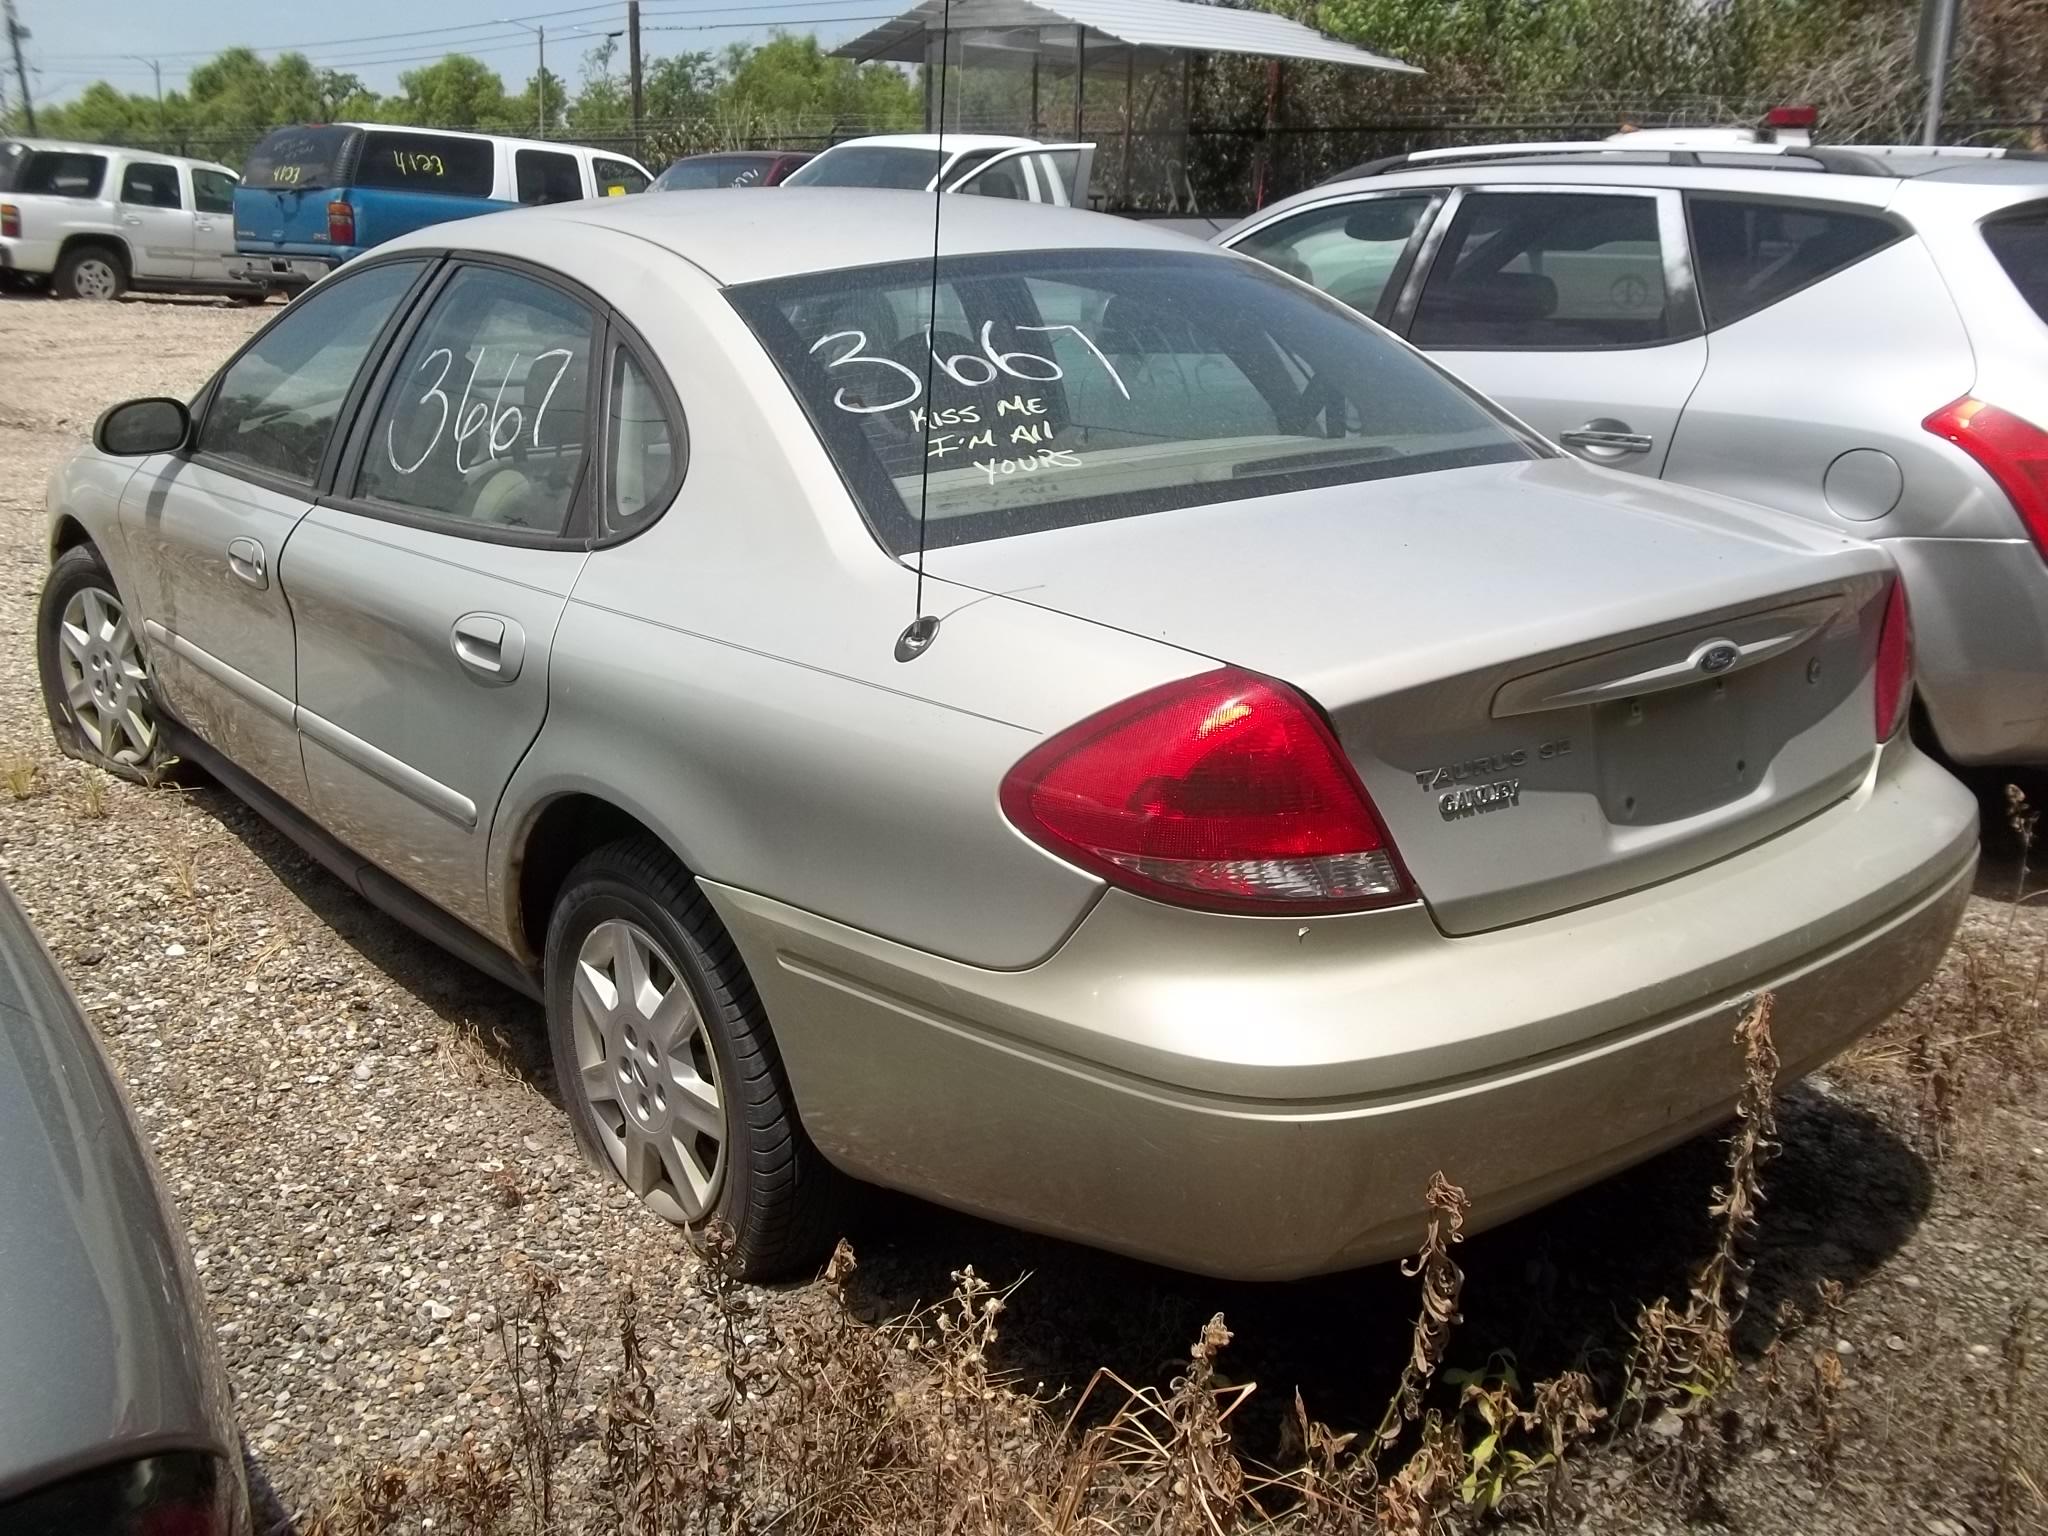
<point x="299" y="157"/>
<point x="61" y="173"/>
<point x="427" y="162"/>
<point x="872" y="165"/>
<point x="1752" y="252"/>
<point x="2019" y="239"/>
<point x="1075" y="387"/>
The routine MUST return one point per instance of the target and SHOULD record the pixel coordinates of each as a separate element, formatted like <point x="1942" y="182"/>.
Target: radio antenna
<point x="924" y="628"/>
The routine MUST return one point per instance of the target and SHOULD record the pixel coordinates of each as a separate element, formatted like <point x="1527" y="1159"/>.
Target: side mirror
<point x="155" y="424"/>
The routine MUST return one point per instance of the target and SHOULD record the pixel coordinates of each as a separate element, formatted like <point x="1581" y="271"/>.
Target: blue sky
<point x="75" y="42"/>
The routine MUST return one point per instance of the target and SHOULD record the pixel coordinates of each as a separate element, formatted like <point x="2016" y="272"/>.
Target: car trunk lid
<point x="1557" y="685"/>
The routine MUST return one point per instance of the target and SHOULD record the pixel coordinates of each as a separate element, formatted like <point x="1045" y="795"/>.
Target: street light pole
<point x="163" y="127"/>
<point x="540" y="84"/>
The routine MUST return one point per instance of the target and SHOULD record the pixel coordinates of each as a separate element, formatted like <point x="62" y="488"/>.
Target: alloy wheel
<point x="648" y="1072"/>
<point x="105" y="681"/>
<point x="95" y="278"/>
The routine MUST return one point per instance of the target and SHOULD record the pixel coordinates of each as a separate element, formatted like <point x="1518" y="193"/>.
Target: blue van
<point x="315" y="195"/>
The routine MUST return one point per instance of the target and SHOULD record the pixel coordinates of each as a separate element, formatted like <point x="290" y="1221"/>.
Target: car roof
<point x="560" y="146"/>
<point x="952" y="141"/>
<point x="80" y="147"/>
<point x="739" y="235"/>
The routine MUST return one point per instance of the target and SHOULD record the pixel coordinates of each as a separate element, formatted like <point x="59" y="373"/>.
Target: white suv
<point x="1856" y="335"/>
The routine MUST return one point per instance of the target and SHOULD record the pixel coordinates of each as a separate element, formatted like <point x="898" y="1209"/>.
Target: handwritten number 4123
<point x="969" y="369"/>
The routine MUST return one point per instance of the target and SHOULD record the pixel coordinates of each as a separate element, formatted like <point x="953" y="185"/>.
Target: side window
<point x="644" y="456"/>
<point x="427" y="162"/>
<point x="276" y="405"/>
<point x="615" y="178"/>
<point x="1752" y="253"/>
<point x="213" y="191"/>
<point x="152" y="186"/>
<point x="1005" y="178"/>
<point x="547" y="177"/>
<point x="2019" y="239"/>
<point x="61" y="173"/>
<point x="1537" y="271"/>
<point x="486" y="420"/>
<point x="1349" y="250"/>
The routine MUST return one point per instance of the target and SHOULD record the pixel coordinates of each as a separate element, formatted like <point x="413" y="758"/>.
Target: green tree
<point x="454" y="92"/>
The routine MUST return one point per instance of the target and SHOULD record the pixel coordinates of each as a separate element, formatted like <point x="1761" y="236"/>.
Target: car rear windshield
<point x="427" y="162"/>
<point x="872" y="165"/>
<point x="1059" y="388"/>
<point x="61" y="173"/>
<point x="298" y="157"/>
<point x="708" y="171"/>
<point x="2019" y="240"/>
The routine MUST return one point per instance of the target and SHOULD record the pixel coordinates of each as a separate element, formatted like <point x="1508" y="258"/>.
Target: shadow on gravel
<point x="508" y="1028"/>
<point x="1559" y="1288"/>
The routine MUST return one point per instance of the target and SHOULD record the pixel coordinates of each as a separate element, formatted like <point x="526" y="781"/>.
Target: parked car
<point x="1308" y="779"/>
<point x="1856" y="335"/>
<point x="729" y="168"/>
<point x="94" y="221"/>
<point x="980" y="164"/>
<point x="313" y="196"/>
<point x="115" y="1419"/>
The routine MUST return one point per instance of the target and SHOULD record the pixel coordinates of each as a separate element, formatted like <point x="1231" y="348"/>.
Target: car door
<point x="1572" y="306"/>
<point x="156" y="220"/>
<point x="1032" y="173"/>
<point x="1352" y="248"/>
<point x="613" y="177"/>
<point x="426" y="592"/>
<point x="213" y="223"/>
<point x="206" y="526"/>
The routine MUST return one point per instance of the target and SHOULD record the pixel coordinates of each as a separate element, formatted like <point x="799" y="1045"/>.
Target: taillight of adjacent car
<point x="341" y="222"/>
<point x="1225" y="791"/>
<point x="1894" y="673"/>
<point x="2013" y="451"/>
<point x="174" y="1493"/>
<point x="10" y="221"/>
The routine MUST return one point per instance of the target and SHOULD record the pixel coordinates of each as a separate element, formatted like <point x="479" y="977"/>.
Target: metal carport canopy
<point x="1113" y="25"/>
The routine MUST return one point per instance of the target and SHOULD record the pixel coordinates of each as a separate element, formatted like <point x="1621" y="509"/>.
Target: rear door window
<point x="1546" y="272"/>
<point x="617" y="178"/>
<point x="2019" y="240"/>
<point x="151" y="186"/>
<point x="1752" y="252"/>
<point x="1349" y="250"/>
<point x="427" y="162"/>
<point x="546" y="176"/>
<point x="213" y="191"/>
<point x="62" y="173"/>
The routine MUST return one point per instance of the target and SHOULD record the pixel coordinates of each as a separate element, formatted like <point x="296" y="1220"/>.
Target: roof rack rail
<point x="1836" y="160"/>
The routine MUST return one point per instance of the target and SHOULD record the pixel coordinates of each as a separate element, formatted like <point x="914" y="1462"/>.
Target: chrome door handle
<point x="245" y="559"/>
<point x="489" y="645"/>
<point x="1605" y="439"/>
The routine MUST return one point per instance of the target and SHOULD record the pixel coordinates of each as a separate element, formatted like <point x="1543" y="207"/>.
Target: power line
<point x="343" y="42"/>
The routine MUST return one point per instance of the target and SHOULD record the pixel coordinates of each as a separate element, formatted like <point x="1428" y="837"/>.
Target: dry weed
<point x="92" y="794"/>
<point x="22" y="774"/>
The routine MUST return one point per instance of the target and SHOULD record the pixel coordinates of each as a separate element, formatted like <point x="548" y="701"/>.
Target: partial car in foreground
<point x="114" y="1413"/>
<point x="1299" y="778"/>
<point x="1856" y="334"/>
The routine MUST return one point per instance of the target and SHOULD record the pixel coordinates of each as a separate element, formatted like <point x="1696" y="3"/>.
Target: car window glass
<point x="61" y="173"/>
<point x="213" y="191"/>
<point x="643" y="446"/>
<point x="615" y="178"/>
<point x="276" y="405"/>
<point x="427" y="162"/>
<point x="2019" y="240"/>
<point x="1005" y="179"/>
<point x="298" y="157"/>
<point x="870" y="165"/>
<point x="545" y="176"/>
<point x="485" y="419"/>
<point x="1541" y="270"/>
<point x="1751" y="253"/>
<point x="151" y="186"/>
<point x="1349" y="250"/>
<point x="1060" y="388"/>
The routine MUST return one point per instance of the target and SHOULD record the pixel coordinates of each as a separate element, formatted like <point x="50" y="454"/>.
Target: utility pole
<point x="163" y="128"/>
<point x="16" y="32"/>
<point x="633" y="63"/>
<point x="540" y="84"/>
<point x="1937" y="40"/>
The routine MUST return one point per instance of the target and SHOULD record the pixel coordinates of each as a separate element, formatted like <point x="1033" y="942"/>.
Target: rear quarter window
<point x="61" y="173"/>
<point x="427" y="162"/>
<point x="2019" y="239"/>
<point x="1752" y="252"/>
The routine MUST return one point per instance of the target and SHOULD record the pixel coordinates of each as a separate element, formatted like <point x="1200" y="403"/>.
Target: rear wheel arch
<point x="556" y="836"/>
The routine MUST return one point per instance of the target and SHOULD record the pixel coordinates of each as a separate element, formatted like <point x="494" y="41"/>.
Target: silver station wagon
<point x="1100" y="736"/>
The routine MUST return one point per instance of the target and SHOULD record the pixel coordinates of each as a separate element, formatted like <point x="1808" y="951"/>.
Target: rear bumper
<point x="288" y="272"/>
<point x="1980" y="640"/>
<point x="1266" y="1099"/>
<point x="36" y="258"/>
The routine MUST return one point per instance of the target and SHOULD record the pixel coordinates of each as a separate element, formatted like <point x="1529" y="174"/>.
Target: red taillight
<point x="1792" y="117"/>
<point x="2013" y="451"/>
<point x="1224" y="790"/>
<point x="1894" y="673"/>
<point x="10" y="221"/>
<point x="341" y="223"/>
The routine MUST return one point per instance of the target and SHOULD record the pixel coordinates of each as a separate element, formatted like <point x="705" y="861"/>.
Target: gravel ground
<point x="357" y="1133"/>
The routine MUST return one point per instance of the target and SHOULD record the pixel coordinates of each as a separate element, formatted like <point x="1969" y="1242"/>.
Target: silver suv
<point x="1858" y="336"/>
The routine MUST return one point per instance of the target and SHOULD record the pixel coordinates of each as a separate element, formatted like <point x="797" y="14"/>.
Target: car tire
<point x="633" y="1070"/>
<point x="91" y="272"/>
<point x="96" y="685"/>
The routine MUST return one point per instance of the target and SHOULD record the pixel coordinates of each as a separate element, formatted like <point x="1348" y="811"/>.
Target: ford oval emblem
<point x="1718" y="657"/>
